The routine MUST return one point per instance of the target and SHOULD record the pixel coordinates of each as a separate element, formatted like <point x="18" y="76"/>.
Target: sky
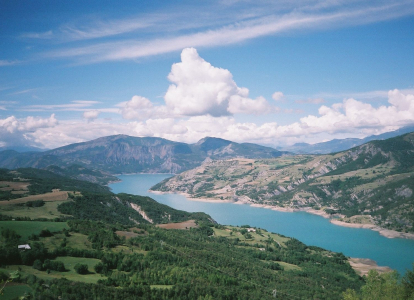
<point x="268" y="72"/>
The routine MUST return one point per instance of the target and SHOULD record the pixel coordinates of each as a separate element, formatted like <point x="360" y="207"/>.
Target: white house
<point x="24" y="247"/>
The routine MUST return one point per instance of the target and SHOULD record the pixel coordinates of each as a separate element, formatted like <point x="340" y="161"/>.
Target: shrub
<point x="45" y="233"/>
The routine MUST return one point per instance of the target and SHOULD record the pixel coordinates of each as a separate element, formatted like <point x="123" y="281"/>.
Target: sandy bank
<point x="363" y="265"/>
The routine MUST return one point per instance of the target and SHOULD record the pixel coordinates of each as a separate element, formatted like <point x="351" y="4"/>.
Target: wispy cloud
<point x="77" y="105"/>
<point x="311" y="101"/>
<point x="24" y="91"/>
<point x="38" y="35"/>
<point x="236" y="32"/>
<point x="4" y="63"/>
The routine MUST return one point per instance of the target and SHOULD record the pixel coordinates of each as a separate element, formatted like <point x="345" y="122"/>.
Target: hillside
<point x="125" y="154"/>
<point x="89" y="243"/>
<point x="369" y="184"/>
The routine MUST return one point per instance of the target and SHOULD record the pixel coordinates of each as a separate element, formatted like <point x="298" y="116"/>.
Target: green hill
<point x="107" y="246"/>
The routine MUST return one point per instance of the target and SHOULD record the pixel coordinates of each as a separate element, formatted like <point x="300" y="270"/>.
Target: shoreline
<point x="382" y="231"/>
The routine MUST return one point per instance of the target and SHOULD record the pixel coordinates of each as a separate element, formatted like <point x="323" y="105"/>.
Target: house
<point x="24" y="247"/>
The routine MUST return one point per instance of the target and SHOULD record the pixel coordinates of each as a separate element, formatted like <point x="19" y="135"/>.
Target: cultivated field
<point x="52" y="196"/>
<point x="181" y="225"/>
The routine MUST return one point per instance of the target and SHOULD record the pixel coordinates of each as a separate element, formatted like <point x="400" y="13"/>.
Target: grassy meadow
<point x="27" y="228"/>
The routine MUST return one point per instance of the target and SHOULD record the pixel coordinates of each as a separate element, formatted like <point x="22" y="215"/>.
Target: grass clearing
<point x="15" y="291"/>
<point x="48" y="210"/>
<point x="75" y="240"/>
<point x="161" y="286"/>
<point x="26" y="228"/>
<point x="69" y="262"/>
<point x="289" y="267"/>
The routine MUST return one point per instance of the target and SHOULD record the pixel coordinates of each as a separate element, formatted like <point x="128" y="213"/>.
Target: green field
<point x="26" y="228"/>
<point x="70" y="274"/>
<point x="47" y="211"/>
<point x="75" y="240"/>
<point x="15" y="291"/>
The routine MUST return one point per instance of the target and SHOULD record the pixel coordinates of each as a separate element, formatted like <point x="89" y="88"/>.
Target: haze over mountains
<point x="126" y="154"/>
<point x="337" y="145"/>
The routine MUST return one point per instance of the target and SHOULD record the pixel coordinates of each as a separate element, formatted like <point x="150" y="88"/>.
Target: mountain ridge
<point x="126" y="154"/>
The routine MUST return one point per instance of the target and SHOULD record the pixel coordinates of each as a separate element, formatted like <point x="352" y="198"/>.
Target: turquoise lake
<point x="310" y="229"/>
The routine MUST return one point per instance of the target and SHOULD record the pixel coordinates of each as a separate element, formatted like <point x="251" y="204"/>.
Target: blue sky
<point x="247" y="71"/>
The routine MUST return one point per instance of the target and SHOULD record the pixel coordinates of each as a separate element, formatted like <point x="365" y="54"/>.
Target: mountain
<point x="338" y="145"/>
<point x="370" y="184"/>
<point x="22" y="149"/>
<point x="125" y="154"/>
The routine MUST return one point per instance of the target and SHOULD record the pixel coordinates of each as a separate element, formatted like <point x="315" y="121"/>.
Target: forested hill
<point x="125" y="154"/>
<point x="85" y="200"/>
<point x="370" y="184"/>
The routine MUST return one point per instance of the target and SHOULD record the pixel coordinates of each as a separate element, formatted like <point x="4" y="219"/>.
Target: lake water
<point x="310" y="229"/>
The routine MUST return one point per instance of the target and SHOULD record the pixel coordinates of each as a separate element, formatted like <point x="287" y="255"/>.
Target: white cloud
<point x="241" y="105"/>
<point x="348" y="118"/>
<point x="140" y="108"/>
<point x="199" y="88"/>
<point x="278" y="96"/>
<point x="15" y="132"/>
<point x="91" y="115"/>
<point x="353" y="114"/>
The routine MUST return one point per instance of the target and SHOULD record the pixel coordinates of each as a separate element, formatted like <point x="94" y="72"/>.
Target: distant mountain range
<point x="126" y="154"/>
<point x="338" y="145"/>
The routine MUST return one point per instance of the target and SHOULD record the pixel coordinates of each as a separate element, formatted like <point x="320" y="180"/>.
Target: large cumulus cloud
<point x="199" y="88"/>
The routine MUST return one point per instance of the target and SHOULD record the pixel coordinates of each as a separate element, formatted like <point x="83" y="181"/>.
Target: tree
<point x="378" y="287"/>
<point x="408" y="284"/>
<point x="81" y="269"/>
<point x="38" y="265"/>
